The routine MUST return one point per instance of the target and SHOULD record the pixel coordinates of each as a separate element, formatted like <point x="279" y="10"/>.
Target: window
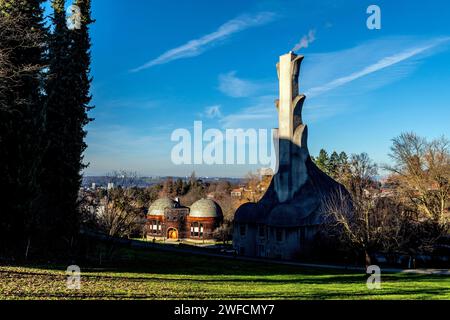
<point x="201" y="230"/>
<point x="261" y="250"/>
<point x="262" y="231"/>
<point x="242" y="230"/>
<point x="302" y="235"/>
<point x="194" y="229"/>
<point x="279" y="234"/>
<point x="154" y="226"/>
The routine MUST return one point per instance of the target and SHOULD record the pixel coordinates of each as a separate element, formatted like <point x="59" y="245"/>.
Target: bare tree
<point x="118" y="214"/>
<point x="13" y="37"/>
<point x="422" y="171"/>
<point x="352" y="217"/>
<point x="252" y="181"/>
<point x="224" y="232"/>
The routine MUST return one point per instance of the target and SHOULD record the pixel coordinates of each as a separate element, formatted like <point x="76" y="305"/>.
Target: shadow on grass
<point x="153" y="265"/>
<point x="269" y="295"/>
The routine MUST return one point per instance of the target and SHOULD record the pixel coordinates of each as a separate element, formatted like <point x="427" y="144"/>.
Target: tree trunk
<point x="27" y="249"/>
<point x="368" y="259"/>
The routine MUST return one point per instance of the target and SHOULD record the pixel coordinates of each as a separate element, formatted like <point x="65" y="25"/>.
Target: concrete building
<point x="283" y="224"/>
<point x="168" y="219"/>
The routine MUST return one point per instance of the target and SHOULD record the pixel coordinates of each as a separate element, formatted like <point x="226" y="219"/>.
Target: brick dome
<point x="157" y="208"/>
<point x="205" y="208"/>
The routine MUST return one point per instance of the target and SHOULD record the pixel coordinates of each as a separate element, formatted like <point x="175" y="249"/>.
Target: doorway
<point x="172" y="234"/>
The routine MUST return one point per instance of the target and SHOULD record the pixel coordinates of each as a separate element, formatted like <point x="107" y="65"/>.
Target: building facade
<point x="283" y="224"/>
<point x="167" y="219"/>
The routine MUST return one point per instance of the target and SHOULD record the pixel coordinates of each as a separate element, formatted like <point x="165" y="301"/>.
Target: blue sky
<point x="161" y="65"/>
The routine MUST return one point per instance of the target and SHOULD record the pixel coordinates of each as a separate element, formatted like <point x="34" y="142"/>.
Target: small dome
<point x="157" y="208"/>
<point x="205" y="208"/>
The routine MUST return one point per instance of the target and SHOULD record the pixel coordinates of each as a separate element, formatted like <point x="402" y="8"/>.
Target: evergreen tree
<point x="79" y="72"/>
<point x="344" y="167"/>
<point x="22" y="45"/>
<point x="333" y="165"/>
<point x="343" y="158"/>
<point x="179" y="187"/>
<point x="57" y="175"/>
<point x="67" y="105"/>
<point x="323" y="161"/>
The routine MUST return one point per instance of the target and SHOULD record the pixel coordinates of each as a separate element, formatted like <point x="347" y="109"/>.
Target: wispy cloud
<point x="261" y="112"/>
<point x="382" y="63"/>
<point x="196" y="47"/>
<point x="120" y="139"/>
<point x="233" y="86"/>
<point x="306" y="40"/>
<point x="324" y="72"/>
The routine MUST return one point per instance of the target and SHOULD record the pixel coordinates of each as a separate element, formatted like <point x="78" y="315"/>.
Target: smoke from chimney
<point x="306" y="40"/>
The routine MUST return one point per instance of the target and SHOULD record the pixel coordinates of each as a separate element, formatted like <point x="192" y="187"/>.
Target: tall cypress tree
<point x="56" y="165"/>
<point x="22" y="43"/>
<point x="68" y="101"/>
<point x="81" y="82"/>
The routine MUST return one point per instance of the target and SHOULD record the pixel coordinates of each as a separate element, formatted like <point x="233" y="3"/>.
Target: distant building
<point x="168" y="219"/>
<point x="237" y="193"/>
<point x="110" y="185"/>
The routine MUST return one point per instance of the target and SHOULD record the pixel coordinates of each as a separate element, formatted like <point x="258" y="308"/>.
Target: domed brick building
<point x="168" y="219"/>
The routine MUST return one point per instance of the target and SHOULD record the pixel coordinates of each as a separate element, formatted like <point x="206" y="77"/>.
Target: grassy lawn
<point x="163" y="275"/>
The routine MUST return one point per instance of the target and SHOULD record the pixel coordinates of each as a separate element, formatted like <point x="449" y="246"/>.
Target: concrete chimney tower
<point x="287" y="69"/>
<point x="291" y="131"/>
<point x="294" y="200"/>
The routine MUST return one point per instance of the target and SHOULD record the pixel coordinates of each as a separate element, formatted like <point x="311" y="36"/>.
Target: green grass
<point x="163" y="275"/>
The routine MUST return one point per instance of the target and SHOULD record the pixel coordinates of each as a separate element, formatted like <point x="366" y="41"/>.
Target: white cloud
<point x="339" y="62"/>
<point x="321" y="73"/>
<point x="233" y="86"/>
<point x="196" y="47"/>
<point x="261" y="114"/>
<point x="306" y="40"/>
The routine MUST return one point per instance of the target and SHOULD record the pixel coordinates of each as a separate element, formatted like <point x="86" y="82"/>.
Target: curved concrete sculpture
<point x="283" y="223"/>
